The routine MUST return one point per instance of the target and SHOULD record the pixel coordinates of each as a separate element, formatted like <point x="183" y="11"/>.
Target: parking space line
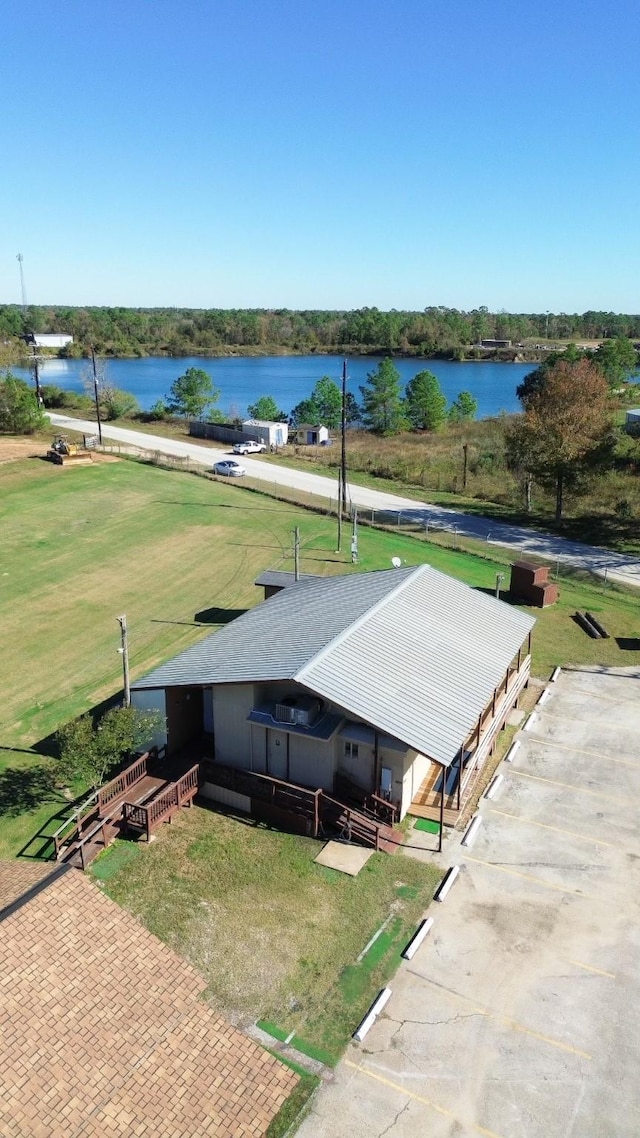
<point x="421" y="1099"/>
<point x="571" y="786"/>
<point x="590" y="968"/>
<point x="556" y="829"/>
<point x="580" y="751"/>
<point x="530" y="877"/>
<point x="457" y="997"/>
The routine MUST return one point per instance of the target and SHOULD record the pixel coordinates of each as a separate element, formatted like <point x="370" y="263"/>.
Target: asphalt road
<point x="618" y="566"/>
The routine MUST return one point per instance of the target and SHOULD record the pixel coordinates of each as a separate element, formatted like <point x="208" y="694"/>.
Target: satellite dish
<point x="396" y="562"/>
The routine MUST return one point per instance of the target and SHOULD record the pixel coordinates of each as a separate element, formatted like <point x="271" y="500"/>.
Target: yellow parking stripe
<point x="506" y="1021"/>
<point x="590" y="968"/>
<point x="556" y="829"/>
<point x="580" y="751"/>
<point x="571" y="786"/>
<point x="421" y="1099"/>
<point x="529" y="877"/>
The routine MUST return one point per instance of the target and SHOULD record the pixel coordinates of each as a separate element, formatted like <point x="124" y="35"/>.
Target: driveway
<point x="519" y="1017"/>
<point x="618" y="566"/>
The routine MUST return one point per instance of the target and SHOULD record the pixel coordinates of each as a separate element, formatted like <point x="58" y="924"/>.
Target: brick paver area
<point x="103" y="1031"/>
<point x="16" y="877"/>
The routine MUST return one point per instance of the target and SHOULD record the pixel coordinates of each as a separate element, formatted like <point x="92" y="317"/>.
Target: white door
<point x="277" y="754"/>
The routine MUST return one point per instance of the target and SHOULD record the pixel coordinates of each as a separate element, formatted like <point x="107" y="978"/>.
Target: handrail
<point x="123" y="781"/>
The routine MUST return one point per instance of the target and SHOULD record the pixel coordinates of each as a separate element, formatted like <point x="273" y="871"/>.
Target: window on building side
<point x="351" y="750"/>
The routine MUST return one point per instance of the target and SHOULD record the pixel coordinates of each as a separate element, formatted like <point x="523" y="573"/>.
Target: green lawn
<point x="276" y="936"/>
<point x="178" y="554"/>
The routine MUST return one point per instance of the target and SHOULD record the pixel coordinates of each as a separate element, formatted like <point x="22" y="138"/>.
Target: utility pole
<point x="343" y="453"/>
<point x="465" y="448"/>
<point x="124" y="650"/>
<point x="27" y="335"/>
<point x="95" y="388"/>
<point x="354" y="538"/>
<point x="342" y="476"/>
<point x="296" y="553"/>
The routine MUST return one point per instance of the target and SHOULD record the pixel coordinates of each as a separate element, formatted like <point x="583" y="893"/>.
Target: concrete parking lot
<point x="519" y="1017"/>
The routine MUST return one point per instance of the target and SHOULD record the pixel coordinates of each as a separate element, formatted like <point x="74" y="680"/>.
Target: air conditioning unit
<point x="299" y="711"/>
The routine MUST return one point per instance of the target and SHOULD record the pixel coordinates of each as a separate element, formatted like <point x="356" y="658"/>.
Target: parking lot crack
<point x="390" y="1127"/>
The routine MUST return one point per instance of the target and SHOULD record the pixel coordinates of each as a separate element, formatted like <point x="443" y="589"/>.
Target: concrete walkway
<point x="618" y="566"/>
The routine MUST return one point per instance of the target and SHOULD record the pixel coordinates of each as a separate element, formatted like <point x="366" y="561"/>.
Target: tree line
<point x="434" y="331"/>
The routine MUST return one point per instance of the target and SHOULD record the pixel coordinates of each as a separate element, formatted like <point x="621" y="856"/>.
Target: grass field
<point x="178" y="554"/>
<point x="275" y="935"/>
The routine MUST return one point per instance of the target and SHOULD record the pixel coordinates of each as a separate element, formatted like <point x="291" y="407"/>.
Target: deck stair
<point x="140" y="786"/>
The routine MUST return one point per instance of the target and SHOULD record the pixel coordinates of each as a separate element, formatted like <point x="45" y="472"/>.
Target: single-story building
<point x="632" y="421"/>
<point x="309" y="436"/>
<point x="271" y="434"/>
<point x="275" y="580"/>
<point x="395" y="681"/>
<point x="49" y="339"/>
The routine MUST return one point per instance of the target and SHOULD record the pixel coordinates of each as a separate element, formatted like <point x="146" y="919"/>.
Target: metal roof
<point x="278" y="637"/>
<point x="283" y="577"/>
<point x="424" y="665"/>
<point x="414" y="652"/>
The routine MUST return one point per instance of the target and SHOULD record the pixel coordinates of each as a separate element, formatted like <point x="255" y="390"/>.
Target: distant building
<point x="271" y="434"/>
<point x="495" y="343"/>
<point x="632" y="421"/>
<point x="49" y="339"/>
<point x="307" y="435"/>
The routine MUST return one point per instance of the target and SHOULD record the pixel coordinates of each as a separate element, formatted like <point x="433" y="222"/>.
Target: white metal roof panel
<point x="423" y="665"/>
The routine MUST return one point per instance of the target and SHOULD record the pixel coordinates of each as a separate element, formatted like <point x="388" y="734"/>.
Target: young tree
<point x="90" y="752"/>
<point x="425" y="402"/>
<point x="382" y="410"/>
<point x="266" y="408"/>
<point x="191" y="394"/>
<point x="115" y="403"/>
<point x="617" y="360"/>
<point x="565" y="432"/>
<point x="20" y="412"/>
<point x="464" y="408"/>
<point x="327" y="398"/>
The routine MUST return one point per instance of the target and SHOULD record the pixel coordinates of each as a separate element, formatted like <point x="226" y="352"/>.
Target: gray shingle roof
<point x="278" y="637"/>
<point x="413" y="652"/>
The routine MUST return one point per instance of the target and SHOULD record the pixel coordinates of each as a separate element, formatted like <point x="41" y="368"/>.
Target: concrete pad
<point x="516" y="716"/>
<point x="520" y="1015"/>
<point x="344" y="858"/>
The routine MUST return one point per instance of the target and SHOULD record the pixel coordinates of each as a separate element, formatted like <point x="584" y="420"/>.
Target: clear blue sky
<point x="322" y="153"/>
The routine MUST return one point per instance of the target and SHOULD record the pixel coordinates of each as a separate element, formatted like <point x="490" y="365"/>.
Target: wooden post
<point x="519" y="653"/>
<point x="460" y="777"/>
<point x="441" y="810"/>
<point x="316" y="813"/>
<point x="493" y="703"/>
<point x="529" y="645"/>
<point x="479" y="729"/>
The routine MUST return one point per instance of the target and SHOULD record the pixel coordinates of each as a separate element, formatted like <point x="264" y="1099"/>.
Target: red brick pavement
<point x="103" y="1030"/>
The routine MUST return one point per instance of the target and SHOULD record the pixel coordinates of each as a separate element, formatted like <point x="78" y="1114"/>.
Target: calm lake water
<point x="288" y="378"/>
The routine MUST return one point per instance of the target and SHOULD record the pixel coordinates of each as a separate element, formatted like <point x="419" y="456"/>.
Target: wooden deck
<point x="426" y="803"/>
<point x="143" y="796"/>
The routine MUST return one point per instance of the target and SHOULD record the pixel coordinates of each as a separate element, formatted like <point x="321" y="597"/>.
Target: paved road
<point x="519" y="1016"/>
<point x="618" y="566"/>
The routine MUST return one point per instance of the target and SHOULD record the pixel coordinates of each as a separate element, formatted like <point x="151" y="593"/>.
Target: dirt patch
<point x="12" y="449"/>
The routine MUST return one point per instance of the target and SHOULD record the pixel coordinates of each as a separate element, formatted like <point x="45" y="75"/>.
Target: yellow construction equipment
<point x="65" y="453"/>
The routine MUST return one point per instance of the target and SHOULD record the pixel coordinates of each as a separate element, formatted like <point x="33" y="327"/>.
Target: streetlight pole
<point x="124" y="651"/>
<point x="95" y="388"/>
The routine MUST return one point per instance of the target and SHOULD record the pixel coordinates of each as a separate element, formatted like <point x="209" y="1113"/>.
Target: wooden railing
<point x="123" y="782"/>
<point x="372" y="805"/>
<point x="148" y="816"/>
<point x="316" y="806"/>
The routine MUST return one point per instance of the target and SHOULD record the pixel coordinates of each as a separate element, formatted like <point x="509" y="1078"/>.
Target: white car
<point x="250" y="447"/>
<point x="230" y="468"/>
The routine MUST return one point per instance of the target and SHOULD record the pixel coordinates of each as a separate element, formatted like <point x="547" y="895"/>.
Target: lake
<point x="289" y="379"/>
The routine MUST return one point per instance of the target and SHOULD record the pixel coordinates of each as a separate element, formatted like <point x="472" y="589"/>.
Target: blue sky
<point x="336" y="153"/>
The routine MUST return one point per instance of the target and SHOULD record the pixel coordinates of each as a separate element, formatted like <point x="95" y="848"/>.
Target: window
<point x="351" y="750"/>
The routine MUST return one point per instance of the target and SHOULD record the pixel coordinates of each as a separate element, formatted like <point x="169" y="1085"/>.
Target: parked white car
<point x="250" y="447"/>
<point x="230" y="468"/>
